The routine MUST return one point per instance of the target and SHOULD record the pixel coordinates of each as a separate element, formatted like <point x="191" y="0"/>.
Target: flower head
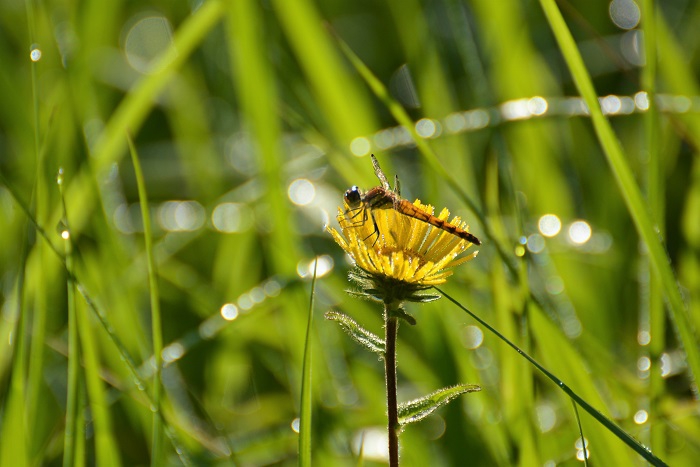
<point x="398" y="255"/>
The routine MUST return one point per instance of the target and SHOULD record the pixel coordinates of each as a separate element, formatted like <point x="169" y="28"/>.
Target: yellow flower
<point x="400" y="249"/>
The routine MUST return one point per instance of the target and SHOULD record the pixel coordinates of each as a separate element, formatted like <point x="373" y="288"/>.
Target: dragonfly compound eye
<point x="353" y="197"/>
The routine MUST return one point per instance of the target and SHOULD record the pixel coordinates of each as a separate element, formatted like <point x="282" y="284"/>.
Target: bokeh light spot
<point x="427" y="128"/>
<point x="323" y="264"/>
<point x="229" y="311"/>
<point x="372" y="443"/>
<point x="173" y="352"/>
<point x="625" y="13"/>
<point x="535" y="243"/>
<point x="537" y="106"/>
<point x="549" y="225"/>
<point x="181" y="216"/>
<point x="546" y="417"/>
<point x="360" y="146"/>
<point x="643" y="338"/>
<point x="231" y="217"/>
<point x="641" y="100"/>
<point x="301" y="191"/>
<point x="579" y="232"/>
<point x="472" y="337"/>
<point x="644" y="363"/>
<point x="145" y="43"/>
<point x="641" y="417"/>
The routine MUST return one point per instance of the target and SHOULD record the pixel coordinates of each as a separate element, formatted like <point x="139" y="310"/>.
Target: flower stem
<point x="391" y="328"/>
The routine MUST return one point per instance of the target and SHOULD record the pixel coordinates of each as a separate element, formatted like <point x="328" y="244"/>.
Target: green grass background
<point x="247" y="97"/>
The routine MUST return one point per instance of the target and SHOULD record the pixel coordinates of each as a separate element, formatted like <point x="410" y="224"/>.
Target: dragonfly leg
<point x="376" y="228"/>
<point x="357" y="223"/>
<point x="359" y="210"/>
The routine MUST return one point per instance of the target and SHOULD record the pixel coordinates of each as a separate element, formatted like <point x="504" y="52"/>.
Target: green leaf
<point x="365" y="338"/>
<point x="418" y="409"/>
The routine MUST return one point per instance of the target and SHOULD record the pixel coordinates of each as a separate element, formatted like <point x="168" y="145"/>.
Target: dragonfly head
<point x="353" y="197"/>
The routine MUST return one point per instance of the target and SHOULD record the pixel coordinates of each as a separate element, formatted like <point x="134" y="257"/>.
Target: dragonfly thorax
<point x="353" y="197"/>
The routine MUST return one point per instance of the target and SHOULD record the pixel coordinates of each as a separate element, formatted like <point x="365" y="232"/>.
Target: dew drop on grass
<point x="35" y="54"/>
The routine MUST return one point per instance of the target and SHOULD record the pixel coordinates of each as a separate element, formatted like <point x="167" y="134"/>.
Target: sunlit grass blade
<point x="636" y="204"/>
<point x="182" y="452"/>
<point x="100" y="315"/>
<point x="256" y="89"/>
<point x="306" y="403"/>
<point x="133" y="109"/>
<point x="656" y="193"/>
<point x="73" y="429"/>
<point x="605" y="421"/>
<point x="346" y="108"/>
<point x="106" y="451"/>
<point x="157" y="454"/>
<point x="13" y="440"/>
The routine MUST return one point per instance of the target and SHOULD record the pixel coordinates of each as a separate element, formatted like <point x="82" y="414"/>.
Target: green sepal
<point x="401" y="313"/>
<point x="418" y="409"/>
<point x="423" y="298"/>
<point x="365" y="338"/>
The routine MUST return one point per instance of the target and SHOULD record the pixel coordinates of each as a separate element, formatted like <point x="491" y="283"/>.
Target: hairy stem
<point x="391" y="329"/>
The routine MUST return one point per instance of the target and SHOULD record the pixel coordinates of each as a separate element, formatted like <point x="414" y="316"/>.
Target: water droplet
<point x="35" y="54"/>
<point x="59" y="177"/>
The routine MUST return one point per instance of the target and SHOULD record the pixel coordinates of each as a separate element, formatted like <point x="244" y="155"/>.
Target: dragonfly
<point x="383" y="197"/>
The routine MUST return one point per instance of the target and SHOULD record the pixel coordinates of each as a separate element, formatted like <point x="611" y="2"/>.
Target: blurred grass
<point x="252" y="96"/>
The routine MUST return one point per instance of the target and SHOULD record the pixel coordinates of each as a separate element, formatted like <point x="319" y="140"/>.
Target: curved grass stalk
<point x="156" y="320"/>
<point x="636" y="204"/>
<point x="595" y="413"/>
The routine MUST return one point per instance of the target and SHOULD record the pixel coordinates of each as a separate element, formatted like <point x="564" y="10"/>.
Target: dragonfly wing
<point x="380" y="175"/>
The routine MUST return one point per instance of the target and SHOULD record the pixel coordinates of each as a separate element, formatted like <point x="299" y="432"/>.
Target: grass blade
<point x="305" y="406"/>
<point x="636" y="205"/>
<point x="72" y="416"/>
<point x="157" y="455"/>
<point x="133" y="109"/>
<point x="605" y="421"/>
<point x="13" y="440"/>
<point x="655" y="191"/>
<point x="584" y="448"/>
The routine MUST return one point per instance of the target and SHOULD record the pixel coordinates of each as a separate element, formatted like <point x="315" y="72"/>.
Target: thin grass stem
<point x="654" y="321"/>
<point x="584" y="448"/>
<point x="157" y="455"/>
<point x="74" y="381"/>
<point x="605" y="421"/>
